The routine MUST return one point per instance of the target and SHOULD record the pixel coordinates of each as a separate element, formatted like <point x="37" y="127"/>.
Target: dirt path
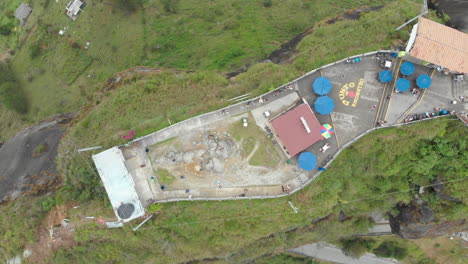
<point x="251" y="153"/>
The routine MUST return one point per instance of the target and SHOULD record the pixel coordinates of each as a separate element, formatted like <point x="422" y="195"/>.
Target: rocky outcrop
<point x="417" y="220"/>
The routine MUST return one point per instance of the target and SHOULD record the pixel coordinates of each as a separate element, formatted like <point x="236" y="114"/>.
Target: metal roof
<point x="293" y="133"/>
<point x="119" y="184"/>
<point x="23" y="12"/>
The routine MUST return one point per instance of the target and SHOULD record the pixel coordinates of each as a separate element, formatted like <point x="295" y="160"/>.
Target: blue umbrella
<point x="407" y="68"/>
<point x="423" y="81"/>
<point x="322" y="86"/>
<point x="324" y="105"/>
<point x="385" y="76"/>
<point x="402" y="84"/>
<point x="307" y="161"/>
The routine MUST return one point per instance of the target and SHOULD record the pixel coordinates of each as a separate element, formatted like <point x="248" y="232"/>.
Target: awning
<point x="307" y="161"/>
<point x="423" y="81"/>
<point x="407" y="68"/>
<point x="322" y="86"/>
<point x="385" y="76"/>
<point x="402" y="84"/>
<point x="324" y="105"/>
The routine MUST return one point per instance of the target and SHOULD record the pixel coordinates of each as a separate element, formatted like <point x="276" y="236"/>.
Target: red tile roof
<point x="291" y="131"/>
<point x="441" y="45"/>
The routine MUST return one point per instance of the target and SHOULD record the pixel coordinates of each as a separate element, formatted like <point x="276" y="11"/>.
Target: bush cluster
<point x="11" y="93"/>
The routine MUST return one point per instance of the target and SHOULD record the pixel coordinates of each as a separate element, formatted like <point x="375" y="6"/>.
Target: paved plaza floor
<point x="355" y="91"/>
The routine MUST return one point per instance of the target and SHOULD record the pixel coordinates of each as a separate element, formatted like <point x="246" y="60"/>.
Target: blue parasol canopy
<point x="407" y="68"/>
<point x="423" y="81"/>
<point x="385" y="76"/>
<point x="307" y="161"/>
<point x="402" y="84"/>
<point x="324" y="105"/>
<point x="322" y="86"/>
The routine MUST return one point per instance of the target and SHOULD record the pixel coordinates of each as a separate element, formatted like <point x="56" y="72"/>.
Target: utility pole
<point x="91" y="148"/>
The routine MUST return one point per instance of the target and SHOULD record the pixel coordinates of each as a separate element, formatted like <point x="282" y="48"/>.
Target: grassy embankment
<point x="59" y="74"/>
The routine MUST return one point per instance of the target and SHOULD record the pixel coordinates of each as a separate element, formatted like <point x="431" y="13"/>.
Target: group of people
<point x="415" y="92"/>
<point x="438" y="111"/>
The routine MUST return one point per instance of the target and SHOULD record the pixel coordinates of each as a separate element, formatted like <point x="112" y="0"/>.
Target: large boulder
<point x="188" y="157"/>
<point x="224" y="149"/>
<point x="208" y="165"/>
<point x="218" y="165"/>
<point x="417" y="220"/>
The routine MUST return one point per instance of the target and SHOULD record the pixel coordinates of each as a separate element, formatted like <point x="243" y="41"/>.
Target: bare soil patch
<point x="52" y="234"/>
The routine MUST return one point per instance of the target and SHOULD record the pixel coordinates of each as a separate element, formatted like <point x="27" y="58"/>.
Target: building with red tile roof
<point x="439" y="45"/>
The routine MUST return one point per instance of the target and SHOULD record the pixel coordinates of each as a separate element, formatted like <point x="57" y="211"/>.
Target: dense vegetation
<point x="386" y="247"/>
<point x="11" y="93"/>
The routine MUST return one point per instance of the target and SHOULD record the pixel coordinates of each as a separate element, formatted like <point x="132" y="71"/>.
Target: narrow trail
<point x="252" y="153"/>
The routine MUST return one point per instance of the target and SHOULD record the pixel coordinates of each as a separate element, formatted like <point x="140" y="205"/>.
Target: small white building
<point x="119" y="184"/>
<point x="73" y="9"/>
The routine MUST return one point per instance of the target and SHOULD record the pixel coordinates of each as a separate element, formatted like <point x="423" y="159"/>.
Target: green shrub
<point x="82" y="182"/>
<point x="390" y="249"/>
<point x="267" y="3"/>
<point x="5" y="29"/>
<point x="170" y="6"/>
<point x="35" y="51"/>
<point x="152" y="208"/>
<point x="356" y="247"/>
<point x="48" y="203"/>
<point x="129" y="5"/>
<point x="12" y="96"/>
<point x="40" y="149"/>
